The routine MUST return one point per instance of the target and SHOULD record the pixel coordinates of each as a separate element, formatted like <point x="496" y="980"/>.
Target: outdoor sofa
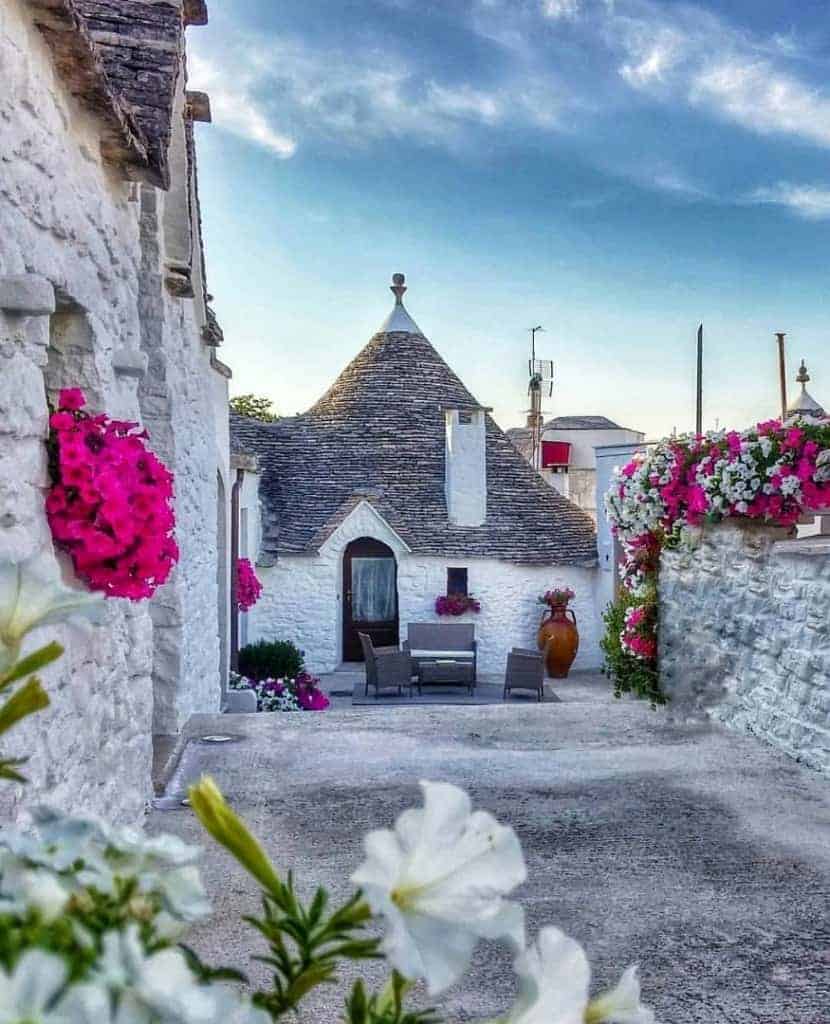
<point x="442" y="653"/>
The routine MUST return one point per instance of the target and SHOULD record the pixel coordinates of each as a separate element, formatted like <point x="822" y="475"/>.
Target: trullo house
<point x="396" y="487"/>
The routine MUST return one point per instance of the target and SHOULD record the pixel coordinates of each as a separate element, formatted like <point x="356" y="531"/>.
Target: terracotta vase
<point x="559" y="638"/>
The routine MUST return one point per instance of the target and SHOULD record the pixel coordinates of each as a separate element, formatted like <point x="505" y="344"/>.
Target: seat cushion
<point x="451" y="655"/>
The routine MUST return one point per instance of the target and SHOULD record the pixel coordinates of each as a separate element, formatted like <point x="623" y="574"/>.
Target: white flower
<point x="29" y="600"/>
<point x="27" y="992"/>
<point x="439" y="880"/>
<point x="554" y="976"/>
<point x="161" y="983"/>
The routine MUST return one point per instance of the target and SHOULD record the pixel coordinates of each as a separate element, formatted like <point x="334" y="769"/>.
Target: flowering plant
<point x="248" y="587"/>
<point x="92" y="918"/>
<point x="557" y="597"/>
<point x="302" y="693"/>
<point x="772" y="473"/>
<point x="111" y="505"/>
<point x="456" y="604"/>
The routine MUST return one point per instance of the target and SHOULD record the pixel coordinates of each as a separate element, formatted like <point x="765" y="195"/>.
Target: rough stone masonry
<point x="745" y="634"/>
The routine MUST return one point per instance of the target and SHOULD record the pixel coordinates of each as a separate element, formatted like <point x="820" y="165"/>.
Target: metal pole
<point x="782" y="371"/>
<point x="699" y="413"/>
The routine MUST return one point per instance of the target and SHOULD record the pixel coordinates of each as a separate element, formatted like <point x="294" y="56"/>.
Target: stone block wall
<point x="745" y="635"/>
<point x="69" y="263"/>
<point x="302" y="598"/>
<point x="181" y="398"/>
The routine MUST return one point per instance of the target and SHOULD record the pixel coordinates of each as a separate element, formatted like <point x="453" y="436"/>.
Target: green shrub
<point x="629" y="674"/>
<point x="271" y="659"/>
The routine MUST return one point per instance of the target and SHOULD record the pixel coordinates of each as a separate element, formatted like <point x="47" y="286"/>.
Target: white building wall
<point x="184" y="403"/>
<point x="302" y="598"/>
<point x="583" y="442"/>
<point x="68" y="218"/>
<point x="79" y="231"/>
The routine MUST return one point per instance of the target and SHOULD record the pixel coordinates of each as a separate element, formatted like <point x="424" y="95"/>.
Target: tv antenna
<point x="540" y="373"/>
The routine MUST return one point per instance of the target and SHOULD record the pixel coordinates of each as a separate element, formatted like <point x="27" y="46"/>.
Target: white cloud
<point x="234" y="109"/>
<point x="809" y="201"/>
<point x="566" y="10"/>
<point x="754" y="95"/>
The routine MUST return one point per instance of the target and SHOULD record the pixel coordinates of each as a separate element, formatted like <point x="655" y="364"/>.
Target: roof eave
<point x="123" y="143"/>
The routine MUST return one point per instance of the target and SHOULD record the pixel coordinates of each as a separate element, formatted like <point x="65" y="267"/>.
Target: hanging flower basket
<point x="111" y="504"/>
<point x="248" y="587"/>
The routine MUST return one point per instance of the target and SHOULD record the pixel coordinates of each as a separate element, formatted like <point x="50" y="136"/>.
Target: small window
<point x="464" y="416"/>
<point x="457" y="582"/>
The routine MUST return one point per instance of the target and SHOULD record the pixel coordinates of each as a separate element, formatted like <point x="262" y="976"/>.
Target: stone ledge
<point x="27" y="295"/>
<point x="811" y="546"/>
<point x="129" y="362"/>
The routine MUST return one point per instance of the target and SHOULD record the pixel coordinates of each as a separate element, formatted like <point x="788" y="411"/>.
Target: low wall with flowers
<point x="745" y="634"/>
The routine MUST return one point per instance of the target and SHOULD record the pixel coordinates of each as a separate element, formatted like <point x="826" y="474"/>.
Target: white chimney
<point x="465" y="473"/>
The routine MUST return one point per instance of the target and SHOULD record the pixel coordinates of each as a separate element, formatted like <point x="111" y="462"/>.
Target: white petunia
<point x="439" y="878"/>
<point x="554" y="977"/>
<point x="160" y="984"/>
<point x="29" y="599"/>
<point x="27" y="993"/>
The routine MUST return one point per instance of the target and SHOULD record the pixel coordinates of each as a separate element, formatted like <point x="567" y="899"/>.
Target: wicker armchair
<point x="525" y="671"/>
<point x="386" y="667"/>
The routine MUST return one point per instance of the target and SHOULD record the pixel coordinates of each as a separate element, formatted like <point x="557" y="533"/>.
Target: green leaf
<point x="29" y="699"/>
<point x="357" y="1007"/>
<point x="313" y="976"/>
<point x="7" y="771"/>
<point x="32" y="663"/>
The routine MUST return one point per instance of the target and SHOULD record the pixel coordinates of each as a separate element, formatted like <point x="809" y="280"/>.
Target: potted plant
<point x="558" y="635"/>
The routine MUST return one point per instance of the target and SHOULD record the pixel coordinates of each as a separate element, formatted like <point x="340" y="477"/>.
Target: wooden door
<point x="370" y="596"/>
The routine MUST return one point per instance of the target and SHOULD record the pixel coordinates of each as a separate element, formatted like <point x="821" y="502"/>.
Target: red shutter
<point x="555" y="453"/>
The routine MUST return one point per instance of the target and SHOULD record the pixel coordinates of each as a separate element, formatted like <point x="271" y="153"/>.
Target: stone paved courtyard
<point x="702" y="855"/>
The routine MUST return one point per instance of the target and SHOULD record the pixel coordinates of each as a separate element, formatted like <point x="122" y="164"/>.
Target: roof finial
<point x="398" y="288"/>
<point x="803" y="376"/>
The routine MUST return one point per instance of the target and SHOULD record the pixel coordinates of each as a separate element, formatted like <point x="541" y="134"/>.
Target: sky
<point x="616" y="171"/>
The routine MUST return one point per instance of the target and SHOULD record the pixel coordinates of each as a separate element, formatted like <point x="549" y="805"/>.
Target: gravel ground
<point x="700" y="854"/>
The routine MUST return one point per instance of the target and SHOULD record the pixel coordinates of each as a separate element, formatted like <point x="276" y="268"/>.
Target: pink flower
<point x="793" y="438"/>
<point x="61" y="421"/>
<point x="111" y="506"/>
<point x="72" y="399"/>
<point x="248" y="587"/>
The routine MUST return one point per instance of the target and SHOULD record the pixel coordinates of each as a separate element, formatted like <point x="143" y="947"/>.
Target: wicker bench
<point x="443" y="654"/>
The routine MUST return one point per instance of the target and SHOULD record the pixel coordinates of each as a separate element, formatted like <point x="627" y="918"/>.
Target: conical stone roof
<point x="379" y="433"/>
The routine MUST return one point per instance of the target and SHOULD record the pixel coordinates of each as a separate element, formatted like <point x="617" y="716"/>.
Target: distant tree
<point x="257" y="407"/>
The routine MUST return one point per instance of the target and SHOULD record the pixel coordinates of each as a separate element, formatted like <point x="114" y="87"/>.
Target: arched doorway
<point x="370" y="596"/>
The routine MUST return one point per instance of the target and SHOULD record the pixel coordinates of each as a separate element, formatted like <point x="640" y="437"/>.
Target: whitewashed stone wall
<point x="302" y="598"/>
<point x="182" y="397"/>
<point x="84" y="301"/>
<point x="67" y="219"/>
<point x="745" y="636"/>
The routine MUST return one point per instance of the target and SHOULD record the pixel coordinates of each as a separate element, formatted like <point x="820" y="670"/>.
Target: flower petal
<point x="554" y="977"/>
<point x="621" y="1004"/>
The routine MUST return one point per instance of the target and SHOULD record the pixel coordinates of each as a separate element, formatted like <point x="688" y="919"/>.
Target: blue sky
<point x="615" y="170"/>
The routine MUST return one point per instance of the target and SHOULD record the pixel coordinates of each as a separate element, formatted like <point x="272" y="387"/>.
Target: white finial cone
<point x="399" y="319"/>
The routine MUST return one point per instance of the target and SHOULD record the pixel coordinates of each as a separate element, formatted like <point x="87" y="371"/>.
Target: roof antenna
<point x="540" y="372"/>
<point x="398" y="288"/>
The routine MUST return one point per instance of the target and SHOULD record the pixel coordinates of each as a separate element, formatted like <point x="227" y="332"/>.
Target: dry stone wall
<point x="745" y="635"/>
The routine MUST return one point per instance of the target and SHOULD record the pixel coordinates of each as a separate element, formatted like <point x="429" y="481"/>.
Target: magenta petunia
<point x="111" y="506"/>
<point x="71" y="399"/>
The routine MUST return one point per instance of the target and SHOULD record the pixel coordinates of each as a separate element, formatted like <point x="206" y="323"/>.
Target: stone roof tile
<point x="380" y="426"/>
